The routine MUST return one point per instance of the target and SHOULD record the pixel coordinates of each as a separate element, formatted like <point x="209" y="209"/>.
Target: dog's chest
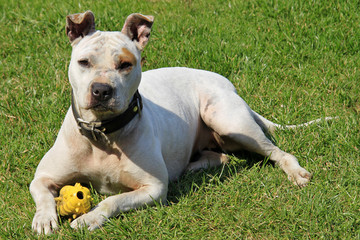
<point x="106" y="170"/>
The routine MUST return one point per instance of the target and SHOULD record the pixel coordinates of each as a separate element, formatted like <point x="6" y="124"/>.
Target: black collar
<point x="98" y="130"/>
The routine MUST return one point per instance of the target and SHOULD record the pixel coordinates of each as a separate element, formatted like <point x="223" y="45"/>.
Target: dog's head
<point x="105" y="67"/>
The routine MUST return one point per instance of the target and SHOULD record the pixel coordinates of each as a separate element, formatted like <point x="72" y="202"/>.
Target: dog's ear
<point x="137" y="27"/>
<point x="80" y="25"/>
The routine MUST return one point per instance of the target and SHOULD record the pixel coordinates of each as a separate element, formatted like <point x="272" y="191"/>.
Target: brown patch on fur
<point x="101" y="79"/>
<point x="126" y="58"/>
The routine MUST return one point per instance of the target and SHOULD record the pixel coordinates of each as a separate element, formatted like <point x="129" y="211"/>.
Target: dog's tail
<point x="271" y="127"/>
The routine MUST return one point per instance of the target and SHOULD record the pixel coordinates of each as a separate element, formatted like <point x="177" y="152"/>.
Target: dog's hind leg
<point x="208" y="159"/>
<point x="232" y="119"/>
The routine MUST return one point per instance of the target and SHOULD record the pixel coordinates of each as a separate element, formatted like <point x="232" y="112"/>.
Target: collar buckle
<point x="89" y="124"/>
<point x="92" y="127"/>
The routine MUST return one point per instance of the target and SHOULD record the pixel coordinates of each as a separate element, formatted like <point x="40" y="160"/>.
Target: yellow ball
<point x="73" y="201"/>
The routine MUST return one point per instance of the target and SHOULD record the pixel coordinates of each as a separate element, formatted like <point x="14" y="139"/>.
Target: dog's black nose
<point x="101" y="91"/>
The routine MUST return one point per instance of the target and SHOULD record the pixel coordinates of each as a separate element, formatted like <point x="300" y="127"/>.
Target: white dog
<point x="131" y="133"/>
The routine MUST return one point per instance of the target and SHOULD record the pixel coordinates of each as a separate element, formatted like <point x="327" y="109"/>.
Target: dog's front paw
<point x="300" y="177"/>
<point x="44" y="222"/>
<point x="92" y="220"/>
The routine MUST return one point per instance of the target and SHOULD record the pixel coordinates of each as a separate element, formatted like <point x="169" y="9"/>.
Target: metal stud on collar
<point x="138" y="107"/>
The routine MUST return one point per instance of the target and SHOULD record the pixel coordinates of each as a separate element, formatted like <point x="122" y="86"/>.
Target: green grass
<point x="292" y="61"/>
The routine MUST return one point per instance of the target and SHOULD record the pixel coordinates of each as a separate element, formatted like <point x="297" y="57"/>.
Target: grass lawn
<point x="292" y="61"/>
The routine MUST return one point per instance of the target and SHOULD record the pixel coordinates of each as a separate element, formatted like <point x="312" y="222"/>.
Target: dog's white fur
<point x="186" y="112"/>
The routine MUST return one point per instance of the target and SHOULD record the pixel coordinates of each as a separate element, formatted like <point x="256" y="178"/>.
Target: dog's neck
<point x="98" y="130"/>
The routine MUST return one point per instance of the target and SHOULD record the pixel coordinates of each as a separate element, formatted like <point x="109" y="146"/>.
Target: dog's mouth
<point x="100" y="107"/>
<point x="101" y="111"/>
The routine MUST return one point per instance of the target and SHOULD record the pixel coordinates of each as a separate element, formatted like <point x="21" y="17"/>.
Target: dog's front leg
<point x="114" y="205"/>
<point x="43" y="190"/>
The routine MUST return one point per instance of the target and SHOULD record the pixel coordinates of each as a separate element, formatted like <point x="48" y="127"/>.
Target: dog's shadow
<point x="190" y="182"/>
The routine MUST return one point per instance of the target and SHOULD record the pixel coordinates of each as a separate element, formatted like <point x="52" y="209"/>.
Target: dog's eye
<point x="84" y="63"/>
<point x="124" y="66"/>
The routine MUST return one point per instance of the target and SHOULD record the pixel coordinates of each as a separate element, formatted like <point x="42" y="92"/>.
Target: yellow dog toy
<point x="73" y="201"/>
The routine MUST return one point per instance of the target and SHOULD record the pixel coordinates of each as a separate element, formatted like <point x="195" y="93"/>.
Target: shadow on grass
<point x="192" y="181"/>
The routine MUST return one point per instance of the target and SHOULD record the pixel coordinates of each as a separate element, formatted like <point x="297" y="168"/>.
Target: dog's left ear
<point x="80" y="25"/>
<point x="137" y="27"/>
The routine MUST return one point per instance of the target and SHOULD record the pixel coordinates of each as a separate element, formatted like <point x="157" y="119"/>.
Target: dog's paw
<point x="91" y="220"/>
<point x="44" y="222"/>
<point x="300" y="177"/>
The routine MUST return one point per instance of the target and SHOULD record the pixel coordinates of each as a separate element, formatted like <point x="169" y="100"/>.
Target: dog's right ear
<point x="80" y="25"/>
